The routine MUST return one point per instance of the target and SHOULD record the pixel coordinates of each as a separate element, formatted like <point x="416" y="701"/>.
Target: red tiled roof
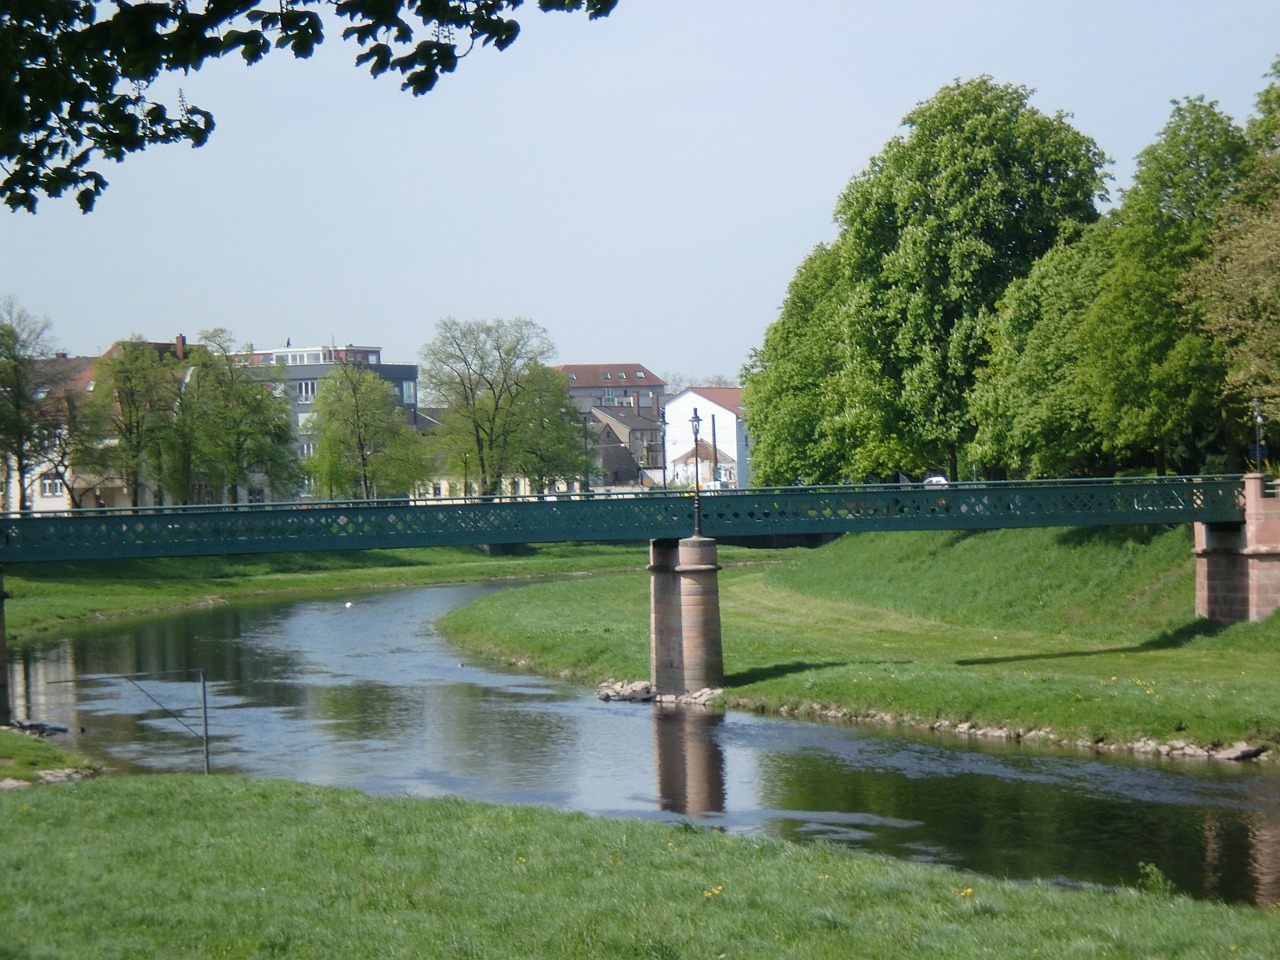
<point x="728" y="397"/>
<point x="619" y="374"/>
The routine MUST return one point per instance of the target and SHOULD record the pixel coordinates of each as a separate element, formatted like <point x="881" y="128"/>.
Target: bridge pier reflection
<point x="689" y="760"/>
<point x="685" y="653"/>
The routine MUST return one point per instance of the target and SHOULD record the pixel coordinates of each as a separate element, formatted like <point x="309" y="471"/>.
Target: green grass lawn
<point x="1085" y="632"/>
<point x="1090" y="633"/>
<point x="188" y="866"/>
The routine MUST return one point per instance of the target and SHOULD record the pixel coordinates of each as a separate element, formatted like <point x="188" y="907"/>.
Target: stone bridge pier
<point x="1238" y="564"/>
<point x="684" y="616"/>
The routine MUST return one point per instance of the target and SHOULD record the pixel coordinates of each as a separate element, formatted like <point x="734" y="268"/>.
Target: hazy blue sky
<point x="643" y="186"/>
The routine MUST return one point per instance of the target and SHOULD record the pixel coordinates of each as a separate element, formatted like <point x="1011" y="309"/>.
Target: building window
<point x="621" y="375"/>
<point x="51" y="486"/>
<point x="306" y="391"/>
<point x="608" y="392"/>
<point x="639" y="374"/>
<point x="605" y="376"/>
<point x="409" y="392"/>
<point x="257" y="495"/>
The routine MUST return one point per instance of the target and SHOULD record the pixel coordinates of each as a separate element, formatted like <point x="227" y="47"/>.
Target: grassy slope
<point x="227" y="867"/>
<point x="1089" y="633"/>
<point x="48" y="596"/>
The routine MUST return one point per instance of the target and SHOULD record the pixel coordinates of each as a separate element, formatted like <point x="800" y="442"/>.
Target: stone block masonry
<point x="685" y="652"/>
<point x="1238" y="564"/>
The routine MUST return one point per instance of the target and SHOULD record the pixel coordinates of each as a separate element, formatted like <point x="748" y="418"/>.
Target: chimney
<point x="60" y="355"/>
<point x="180" y="347"/>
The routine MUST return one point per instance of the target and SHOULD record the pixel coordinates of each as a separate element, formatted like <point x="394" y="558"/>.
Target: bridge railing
<point x="97" y="534"/>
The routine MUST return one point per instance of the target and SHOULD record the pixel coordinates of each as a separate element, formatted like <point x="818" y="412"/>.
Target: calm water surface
<point x="368" y="696"/>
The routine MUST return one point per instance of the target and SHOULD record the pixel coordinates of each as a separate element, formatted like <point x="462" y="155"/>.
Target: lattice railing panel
<point x="96" y="535"/>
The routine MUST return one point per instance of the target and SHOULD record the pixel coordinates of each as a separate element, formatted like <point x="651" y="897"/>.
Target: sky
<point x="643" y="186"/>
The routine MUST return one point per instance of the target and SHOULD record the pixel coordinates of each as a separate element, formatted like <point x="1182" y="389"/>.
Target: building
<point x="628" y="447"/>
<point x="305" y="367"/>
<point x="614" y="385"/>
<point x="723" y="454"/>
<point x="57" y="483"/>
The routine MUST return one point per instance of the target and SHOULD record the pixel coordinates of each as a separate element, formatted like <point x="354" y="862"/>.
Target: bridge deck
<point x="272" y="528"/>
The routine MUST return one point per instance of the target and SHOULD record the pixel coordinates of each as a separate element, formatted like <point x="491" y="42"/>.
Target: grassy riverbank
<point x="49" y="597"/>
<point x="1089" y="634"/>
<point x="228" y="867"/>
<point x="23" y="758"/>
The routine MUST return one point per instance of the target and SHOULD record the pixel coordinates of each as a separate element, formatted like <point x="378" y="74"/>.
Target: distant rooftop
<point x="610" y="375"/>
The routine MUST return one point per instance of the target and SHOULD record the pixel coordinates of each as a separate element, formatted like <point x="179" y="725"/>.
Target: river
<point x="360" y="692"/>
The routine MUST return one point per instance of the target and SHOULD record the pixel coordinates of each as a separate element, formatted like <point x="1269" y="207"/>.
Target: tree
<point x="786" y="383"/>
<point x="936" y="229"/>
<point x="137" y="388"/>
<point x="1154" y="376"/>
<point x="553" y="447"/>
<point x="81" y="70"/>
<point x="78" y="453"/>
<point x="492" y="380"/>
<point x="931" y="234"/>
<point x="28" y="418"/>
<point x="249" y="431"/>
<point x="1238" y="290"/>
<point x="1032" y="415"/>
<point x="364" y="448"/>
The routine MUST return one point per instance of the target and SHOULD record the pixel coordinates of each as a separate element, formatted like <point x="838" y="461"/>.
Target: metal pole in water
<point x="204" y="718"/>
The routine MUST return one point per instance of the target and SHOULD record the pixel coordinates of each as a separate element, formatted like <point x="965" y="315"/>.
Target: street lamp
<point x="696" y="421"/>
<point x="663" y="415"/>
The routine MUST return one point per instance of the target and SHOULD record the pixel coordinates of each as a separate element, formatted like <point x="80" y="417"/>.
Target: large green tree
<point x="364" y="448"/>
<point x="787" y="381"/>
<point x="1032" y="413"/>
<point x="975" y="192"/>
<point x="1153" y="375"/>
<point x="932" y="232"/>
<point x="1236" y="288"/>
<point x="78" y="73"/>
<point x="504" y="410"/>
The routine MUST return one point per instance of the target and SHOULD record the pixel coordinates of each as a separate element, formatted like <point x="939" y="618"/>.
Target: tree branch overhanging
<point x="78" y="72"/>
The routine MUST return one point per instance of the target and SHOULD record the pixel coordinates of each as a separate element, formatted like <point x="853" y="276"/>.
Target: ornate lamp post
<point x="663" y="415"/>
<point x="696" y="421"/>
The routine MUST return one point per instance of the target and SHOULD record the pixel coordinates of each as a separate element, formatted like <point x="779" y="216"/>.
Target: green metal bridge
<point x="785" y="511"/>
